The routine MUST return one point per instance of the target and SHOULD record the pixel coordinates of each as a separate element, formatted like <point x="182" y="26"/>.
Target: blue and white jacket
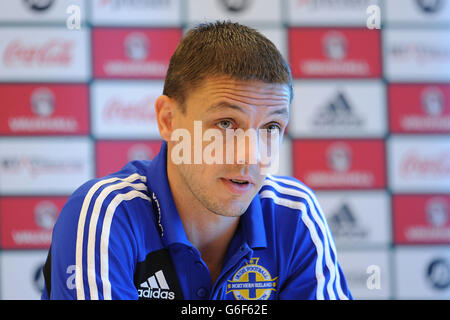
<point x="121" y="237"/>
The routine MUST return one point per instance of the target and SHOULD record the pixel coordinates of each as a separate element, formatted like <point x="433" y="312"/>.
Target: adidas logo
<point x="156" y="287"/>
<point x="344" y="224"/>
<point x="338" y="112"/>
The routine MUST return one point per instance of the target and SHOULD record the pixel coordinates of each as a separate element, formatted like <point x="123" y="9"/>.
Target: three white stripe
<point x="340" y="292"/>
<point x="156" y="279"/>
<point x="312" y="196"/>
<point x="104" y="238"/>
<point x="315" y="238"/>
<point x="322" y="248"/>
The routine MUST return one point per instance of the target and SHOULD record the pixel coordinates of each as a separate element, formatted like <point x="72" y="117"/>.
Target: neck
<point x="209" y="232"/>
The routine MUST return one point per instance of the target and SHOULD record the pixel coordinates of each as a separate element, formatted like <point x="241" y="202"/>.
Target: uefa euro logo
<point x="252" y="282"/>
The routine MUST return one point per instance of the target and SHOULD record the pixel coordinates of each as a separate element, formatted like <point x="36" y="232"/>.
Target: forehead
<point x="248" y="92"/>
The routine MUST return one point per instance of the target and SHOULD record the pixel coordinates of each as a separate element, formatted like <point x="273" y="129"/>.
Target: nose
<point x="242" y="147"/>
<point x="254" y="147"/>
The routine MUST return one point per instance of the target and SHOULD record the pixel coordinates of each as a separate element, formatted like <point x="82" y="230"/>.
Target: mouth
<point x="239" y="185"/>
<point x="239" y="181"/>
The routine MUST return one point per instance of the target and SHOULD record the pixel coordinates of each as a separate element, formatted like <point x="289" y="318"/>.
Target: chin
<point x="232" y="208"/>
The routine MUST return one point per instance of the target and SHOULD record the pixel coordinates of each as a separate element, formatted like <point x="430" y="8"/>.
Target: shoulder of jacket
<point x="288" y="192"/>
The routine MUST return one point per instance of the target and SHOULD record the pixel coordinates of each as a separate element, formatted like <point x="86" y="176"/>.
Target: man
<point x="185" y="227"/>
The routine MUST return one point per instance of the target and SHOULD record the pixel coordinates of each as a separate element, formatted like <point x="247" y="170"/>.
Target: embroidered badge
<point x="252" y="282"/>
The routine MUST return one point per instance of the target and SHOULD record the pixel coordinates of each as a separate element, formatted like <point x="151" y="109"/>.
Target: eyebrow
<point x="224" y="104"/>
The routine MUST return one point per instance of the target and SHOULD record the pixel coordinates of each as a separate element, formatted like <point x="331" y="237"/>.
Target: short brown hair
<point x="223" y="49"/>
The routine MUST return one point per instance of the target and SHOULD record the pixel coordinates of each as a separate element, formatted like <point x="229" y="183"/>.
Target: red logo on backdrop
<point x="318" y="53"/>
<point x="416" y="164"/>
<point x="143" y="53"/>
<point x="27" y="223"/>
<point x="44" y="109"/>
<point x="113" y="155"/>
<point x="340" y="164"/>
<point x="419" y="108"/>
<point x="139" y="111"/>
<point x="54" y="52"/>
<point x="421" y="219"/>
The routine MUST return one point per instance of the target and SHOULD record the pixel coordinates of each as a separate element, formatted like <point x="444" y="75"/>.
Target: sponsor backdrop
<point x="369" y="127"/>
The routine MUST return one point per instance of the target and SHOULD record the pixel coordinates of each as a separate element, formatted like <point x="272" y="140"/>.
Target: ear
<point x="165" y="111"/>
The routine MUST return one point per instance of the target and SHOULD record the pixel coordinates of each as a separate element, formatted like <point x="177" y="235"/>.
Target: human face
<point x="220" y="104"/>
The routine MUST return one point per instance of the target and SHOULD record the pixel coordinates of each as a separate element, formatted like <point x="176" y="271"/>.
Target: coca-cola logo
<point x="139" y="111"/>
<point x="50" y="53"/>
<point x="416" y="164"/>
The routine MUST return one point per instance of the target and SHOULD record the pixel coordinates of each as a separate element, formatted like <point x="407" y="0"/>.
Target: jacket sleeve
<point x="94" y="249"/>
<point x="314" y="269"/>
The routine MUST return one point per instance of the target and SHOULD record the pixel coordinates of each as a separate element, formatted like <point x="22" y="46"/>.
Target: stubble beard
<point x="207" y="200"/>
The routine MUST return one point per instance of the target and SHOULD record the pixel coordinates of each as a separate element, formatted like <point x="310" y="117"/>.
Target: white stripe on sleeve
<point x="104" y="238"/>
<point x="81" y="225"/>
<point x="312" y="203"/>
<point x="93" y="228"/>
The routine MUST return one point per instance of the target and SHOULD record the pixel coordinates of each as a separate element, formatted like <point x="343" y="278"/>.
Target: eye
<point x="225" y="124"/>
<point x="273" y="127"/>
